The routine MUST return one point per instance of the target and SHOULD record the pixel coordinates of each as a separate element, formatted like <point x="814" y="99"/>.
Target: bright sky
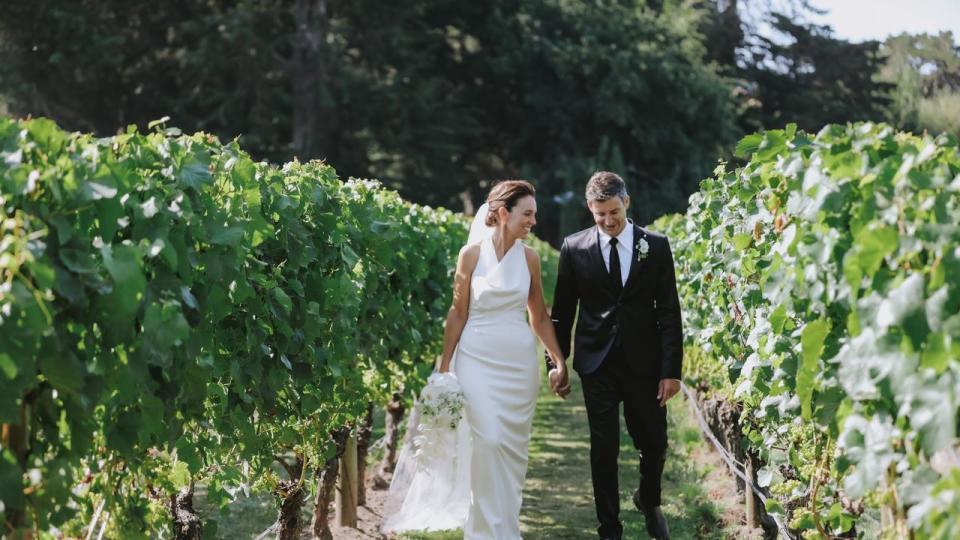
<point x="859" y="20"/>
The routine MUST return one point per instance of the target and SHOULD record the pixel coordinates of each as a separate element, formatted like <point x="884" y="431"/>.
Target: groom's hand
<point x="667" y="389"/>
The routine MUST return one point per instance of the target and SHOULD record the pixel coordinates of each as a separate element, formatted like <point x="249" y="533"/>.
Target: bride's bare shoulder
<point x="470" y="250"/>
<point x="470" y="254"/>
<point x="533" y="258"/>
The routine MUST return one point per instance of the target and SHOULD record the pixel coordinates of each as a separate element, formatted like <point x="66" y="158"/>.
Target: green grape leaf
<point x="812" y="341"/>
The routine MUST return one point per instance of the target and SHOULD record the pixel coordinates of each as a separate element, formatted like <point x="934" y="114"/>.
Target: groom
<point x="628" y="347"/>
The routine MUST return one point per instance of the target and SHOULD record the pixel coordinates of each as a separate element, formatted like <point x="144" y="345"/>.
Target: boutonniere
<point x="643" y="249"/>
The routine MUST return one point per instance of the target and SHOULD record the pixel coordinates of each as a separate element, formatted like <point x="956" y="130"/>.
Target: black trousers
<point x="604" y="390"/>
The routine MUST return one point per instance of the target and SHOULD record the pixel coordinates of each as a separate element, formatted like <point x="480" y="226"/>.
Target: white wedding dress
<point x="499" y="374"/>
<point x="496" y="365"/>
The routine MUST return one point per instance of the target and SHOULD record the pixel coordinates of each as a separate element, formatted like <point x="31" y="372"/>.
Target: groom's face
<point x="610" y="215"/>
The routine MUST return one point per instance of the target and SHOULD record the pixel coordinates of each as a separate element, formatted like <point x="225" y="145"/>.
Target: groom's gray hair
<point x="605" y="185"/>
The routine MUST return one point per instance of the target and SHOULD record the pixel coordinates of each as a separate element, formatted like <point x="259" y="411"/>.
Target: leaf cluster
<point x="825" y="275"/>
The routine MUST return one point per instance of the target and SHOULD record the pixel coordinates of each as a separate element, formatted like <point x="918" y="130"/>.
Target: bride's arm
<point x="457" y="316"/>
<point x="539" y="316"/>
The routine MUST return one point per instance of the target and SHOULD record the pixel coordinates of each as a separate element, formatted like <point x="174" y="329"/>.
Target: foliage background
<point x="437" y="98"/>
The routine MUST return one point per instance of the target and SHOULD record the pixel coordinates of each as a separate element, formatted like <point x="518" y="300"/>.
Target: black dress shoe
<point x="656" y="523"/>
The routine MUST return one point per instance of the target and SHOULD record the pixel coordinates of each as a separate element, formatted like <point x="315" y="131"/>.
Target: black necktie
<point x="615" y="266"/>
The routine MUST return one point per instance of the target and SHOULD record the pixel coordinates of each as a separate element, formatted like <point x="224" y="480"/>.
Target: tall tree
<point x="218" y="65"/>
<point x="616" y="86"/>
<point x="790" y="69"/>
<point x="723" y="32"/>
<point x="434" y="97"/>
<point x="815" y="79"/>
<point x="925" y="72"/>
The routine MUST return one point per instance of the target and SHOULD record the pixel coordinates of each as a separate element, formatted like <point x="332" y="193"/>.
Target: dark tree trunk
<point x="364" y="434"/>
<point x="292" y="497"/>
<point x="326" y="483"/>
<point x="395" y="411"/>
<point x="186" y="523"/>
<point x="307" y="73"/>
<point x="14" y="438"/>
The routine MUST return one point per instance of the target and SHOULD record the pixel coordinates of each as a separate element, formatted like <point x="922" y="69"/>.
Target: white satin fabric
<point x="496" y="365"/>
<point x="478" y="484"/>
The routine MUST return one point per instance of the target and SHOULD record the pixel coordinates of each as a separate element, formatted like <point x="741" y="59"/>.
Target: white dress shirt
<point x="624" y="249"/>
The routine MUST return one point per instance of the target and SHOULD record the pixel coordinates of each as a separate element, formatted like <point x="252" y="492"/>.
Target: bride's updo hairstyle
<point x="506" y="193"/>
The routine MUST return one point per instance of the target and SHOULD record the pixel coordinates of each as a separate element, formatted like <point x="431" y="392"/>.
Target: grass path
<point x="558" y="496"/>
<point x="700" y="498"/>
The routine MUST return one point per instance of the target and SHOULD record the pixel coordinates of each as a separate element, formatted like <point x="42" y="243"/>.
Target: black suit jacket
<point x="644" y="318"/>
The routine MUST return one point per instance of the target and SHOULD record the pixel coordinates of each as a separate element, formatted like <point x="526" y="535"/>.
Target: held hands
<point x="559" y="377"/>
<point x="667" y="389"/>
<point x="560" y="382"/>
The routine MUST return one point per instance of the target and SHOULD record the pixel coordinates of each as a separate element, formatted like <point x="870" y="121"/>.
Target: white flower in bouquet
<point x="441" y="407"/>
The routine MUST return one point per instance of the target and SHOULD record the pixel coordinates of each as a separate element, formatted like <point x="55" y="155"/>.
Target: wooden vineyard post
<point x="753" y="517"/>
<point x="365" y="433"/>
<point x="346" y="499"/>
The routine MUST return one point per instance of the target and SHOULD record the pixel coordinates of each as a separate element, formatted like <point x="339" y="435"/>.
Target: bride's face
<point x="521" y="218"/>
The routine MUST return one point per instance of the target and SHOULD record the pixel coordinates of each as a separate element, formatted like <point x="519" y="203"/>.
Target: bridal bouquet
<point x="441" y="407"/>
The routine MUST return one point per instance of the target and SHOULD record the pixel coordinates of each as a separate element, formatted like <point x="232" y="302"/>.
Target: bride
<point x="491" y="349"/>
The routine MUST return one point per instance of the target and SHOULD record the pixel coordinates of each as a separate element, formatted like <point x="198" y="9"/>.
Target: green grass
<point x="558" y="495"/>
<point x="442" y="535"/>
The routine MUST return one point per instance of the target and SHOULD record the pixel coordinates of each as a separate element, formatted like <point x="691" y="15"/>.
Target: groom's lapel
<point x="595" y="257"/>
<point x="636" y="262"/>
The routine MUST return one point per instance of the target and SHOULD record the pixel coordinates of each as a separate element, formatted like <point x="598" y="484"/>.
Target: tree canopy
<point x="437" y="98"/>
<point x="925" y="72"/>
